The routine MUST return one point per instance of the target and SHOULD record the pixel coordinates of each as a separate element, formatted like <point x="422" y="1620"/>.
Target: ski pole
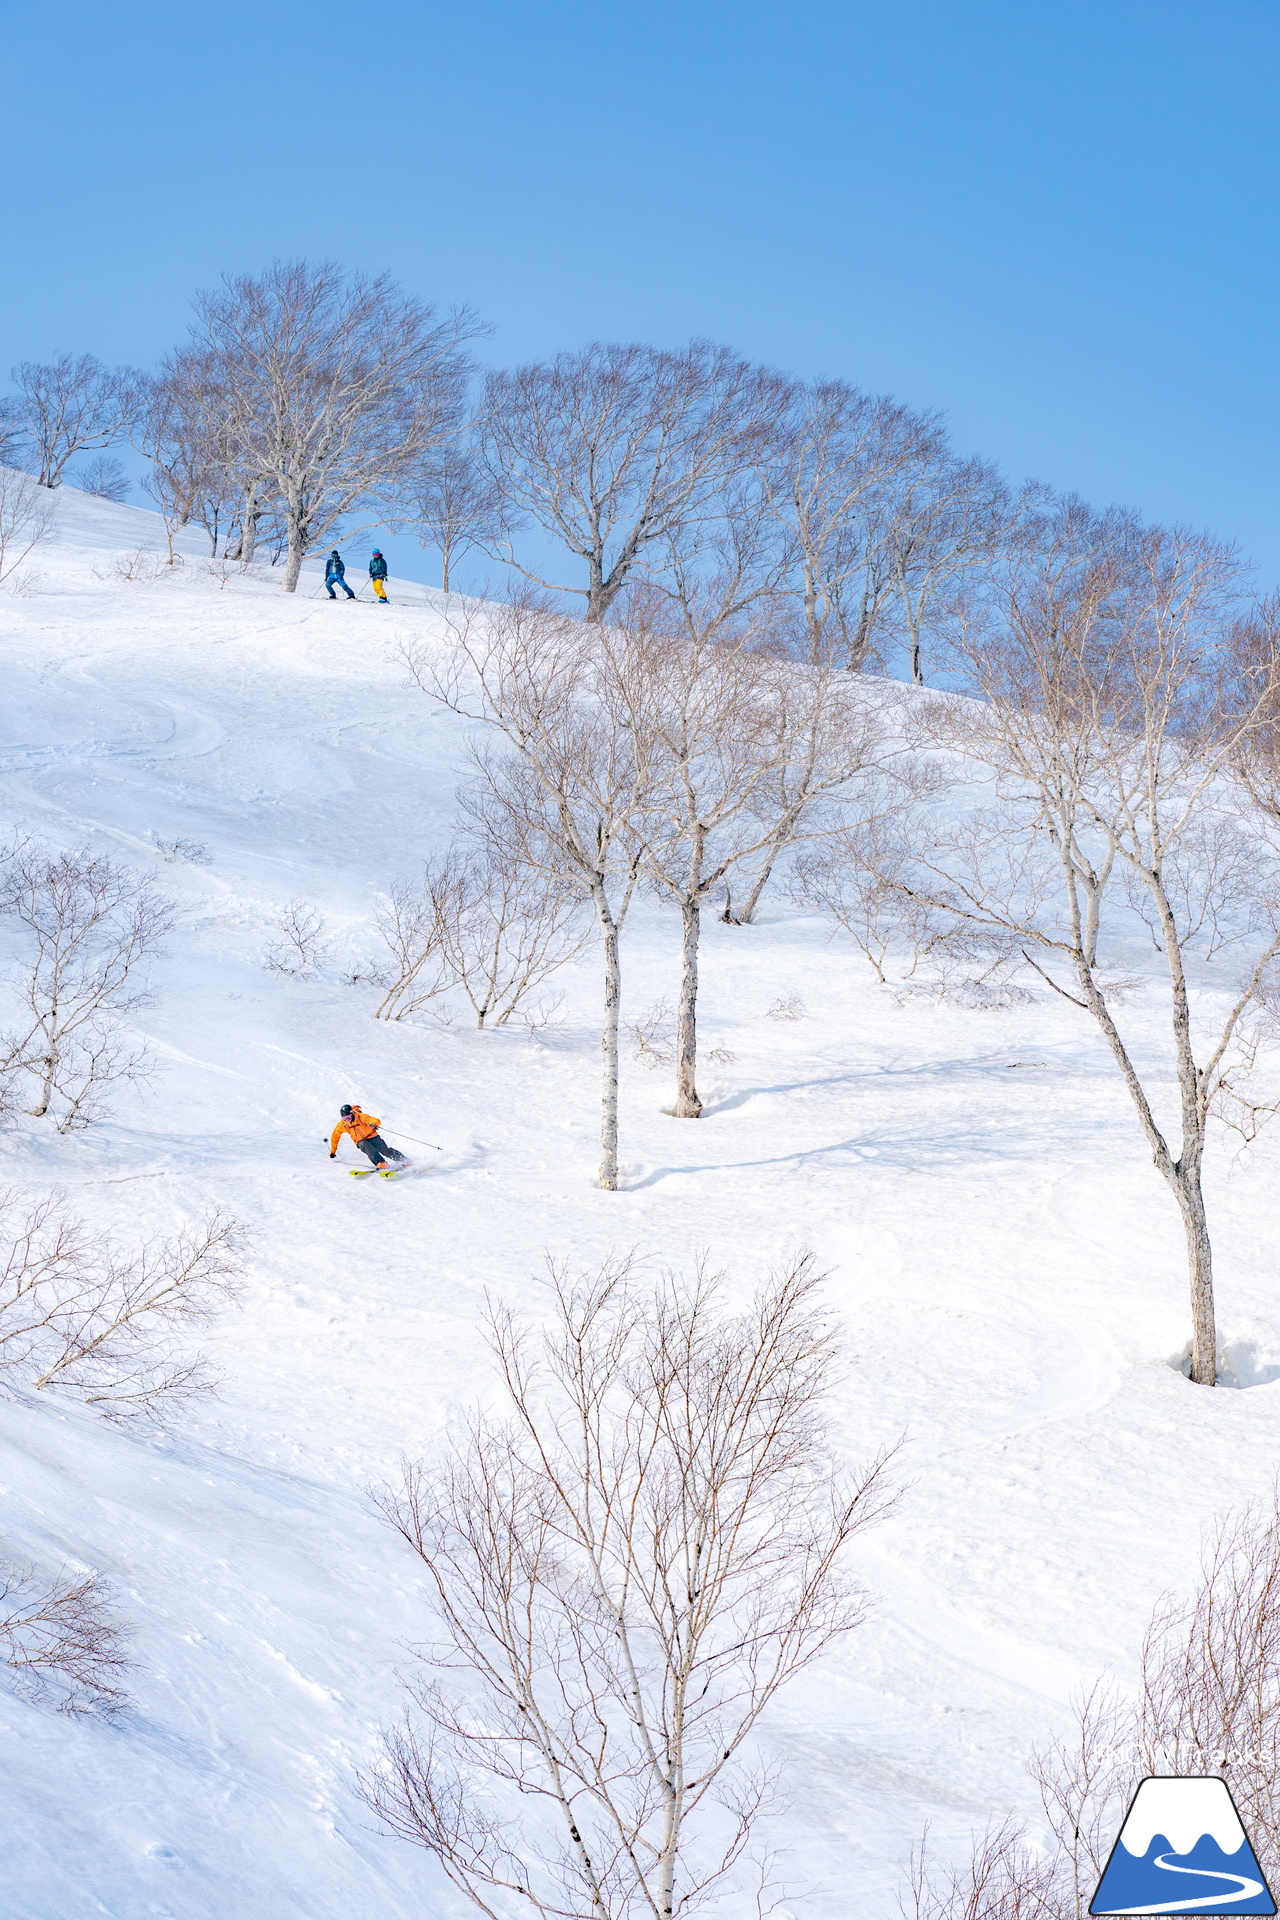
<point x="419" y="1143"/>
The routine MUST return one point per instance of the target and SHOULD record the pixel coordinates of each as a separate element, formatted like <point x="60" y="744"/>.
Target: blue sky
<point x="1056" y="222"/>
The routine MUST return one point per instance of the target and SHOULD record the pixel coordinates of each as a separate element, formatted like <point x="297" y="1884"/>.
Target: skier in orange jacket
<point x="363" y="1129"/>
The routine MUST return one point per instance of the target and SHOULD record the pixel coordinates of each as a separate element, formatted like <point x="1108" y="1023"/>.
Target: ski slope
<point x="1003" y="1255"/>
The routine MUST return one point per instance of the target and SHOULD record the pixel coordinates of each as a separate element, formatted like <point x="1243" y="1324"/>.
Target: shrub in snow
<point x="106" y="1323"/>
<point x="300" y="948"/>
<point x="60" y="1642"/>
<point x="87" y="927"/>
<point x="193" y="852"/>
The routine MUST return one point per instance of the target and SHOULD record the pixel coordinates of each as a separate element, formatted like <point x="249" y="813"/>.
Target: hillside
<point x="1008" y="1266"/>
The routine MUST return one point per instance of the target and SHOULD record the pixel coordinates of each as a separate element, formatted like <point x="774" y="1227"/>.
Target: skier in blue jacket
<point x="335" y="575"/>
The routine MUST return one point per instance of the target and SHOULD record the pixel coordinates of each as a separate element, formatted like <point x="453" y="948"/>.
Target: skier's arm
<point x="337" y="1134"/>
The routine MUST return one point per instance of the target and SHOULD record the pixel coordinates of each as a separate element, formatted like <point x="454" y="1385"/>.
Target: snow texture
<point x="1006" y="1262"/>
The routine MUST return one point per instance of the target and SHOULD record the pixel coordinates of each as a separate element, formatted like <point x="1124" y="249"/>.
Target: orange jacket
<point x="361" y="1126"/>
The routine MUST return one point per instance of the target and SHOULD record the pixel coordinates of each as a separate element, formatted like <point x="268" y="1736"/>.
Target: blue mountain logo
<point x="1182" y="1850"/>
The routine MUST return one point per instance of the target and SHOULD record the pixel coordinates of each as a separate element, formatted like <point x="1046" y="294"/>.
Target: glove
<point x="333" y="1156"/>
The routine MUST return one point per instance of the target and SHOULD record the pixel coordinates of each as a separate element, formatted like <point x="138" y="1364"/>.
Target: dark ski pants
<point x="334" y="581"/>
<point x="378" y="1150"/>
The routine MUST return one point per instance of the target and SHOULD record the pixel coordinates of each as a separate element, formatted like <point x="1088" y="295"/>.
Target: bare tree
<point x="300" y="947"/>
<point x="26" y="518"/>
<point x="826" y="470"/>
<point x="513" y="924"/>
<point x="570" y="793"/>
<point x="944" y="522"/>
<point x="865" y="877"/>
<point x="15" y="450"/>
<point x="482" y="920"/>
<point x="454" y="507"/>
<point x="412" y="919"/>
<point x="72" y="406"/>
<point x="105" y="478"/>
<point x="629" y="1560"/>
<point x="103" y="1323"/>
<point x="61" y="1640"/>
<point x="90" y="926"/>
<point x="616" y="450"/>
<point x="341" y="386"/>
<point x="181" y="427"/>
<point x="1112" y="713"/>
<point x="745" y="743"/>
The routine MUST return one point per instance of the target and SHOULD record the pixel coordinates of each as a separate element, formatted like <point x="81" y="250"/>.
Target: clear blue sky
<point x="1054" y="219"/>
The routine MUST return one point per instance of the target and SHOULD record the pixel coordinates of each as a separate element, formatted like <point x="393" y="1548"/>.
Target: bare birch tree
<point x="514" y="924"/>
<point x="26" y="518"/>
<point x="104" y="478"/>
<point x="180" y="427"/>
<point x="630" y="1558"/>
<point x="411" y="919"/>
<point x="482" y="920"/>
<point x="745" y="743"/>
<point x="826" y="469"/>
<point x="454" y="507"/>
<point x="341" y="386"/>
<point x="944" y="522"/>
<point x="570" y="791"/>
<point x="1112" y="713"/>
<point x="616" y="450"/>
<point x="89" y="927"/>
<point x="71" y="406"/>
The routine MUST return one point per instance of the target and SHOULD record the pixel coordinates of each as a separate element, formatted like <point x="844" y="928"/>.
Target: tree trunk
<point x="248" y="525"/>
<point x="1204" y="1336"/>
<point x="50" y="1064"/>
<point x="293" y="565"/>
<point x="688" y="1106"/>
<point x="609" y="1045"/>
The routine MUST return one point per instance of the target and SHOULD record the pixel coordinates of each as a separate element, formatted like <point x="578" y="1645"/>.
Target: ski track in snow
<point x="1005" y="1260"/>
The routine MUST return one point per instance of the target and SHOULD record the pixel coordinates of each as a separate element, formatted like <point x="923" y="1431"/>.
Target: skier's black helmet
<point x="346" y="1112"/>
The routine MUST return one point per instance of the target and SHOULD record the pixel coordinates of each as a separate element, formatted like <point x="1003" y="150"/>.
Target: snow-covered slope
<point x="1008" y="1266"/>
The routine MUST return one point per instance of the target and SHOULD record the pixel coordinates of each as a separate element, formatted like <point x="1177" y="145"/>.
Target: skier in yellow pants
<point x="378" y="575"/>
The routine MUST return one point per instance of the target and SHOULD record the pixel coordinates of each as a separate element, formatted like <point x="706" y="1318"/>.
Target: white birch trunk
<point x="688" y="1106"/>
<point x="609" y="1042"/>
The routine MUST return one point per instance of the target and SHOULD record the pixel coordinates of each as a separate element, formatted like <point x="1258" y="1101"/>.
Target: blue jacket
<point x="377" y="568"/>
<point x="334" y="569"/>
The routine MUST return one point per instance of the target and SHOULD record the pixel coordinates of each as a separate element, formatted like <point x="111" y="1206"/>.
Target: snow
<point x="1005" y="1259"/>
